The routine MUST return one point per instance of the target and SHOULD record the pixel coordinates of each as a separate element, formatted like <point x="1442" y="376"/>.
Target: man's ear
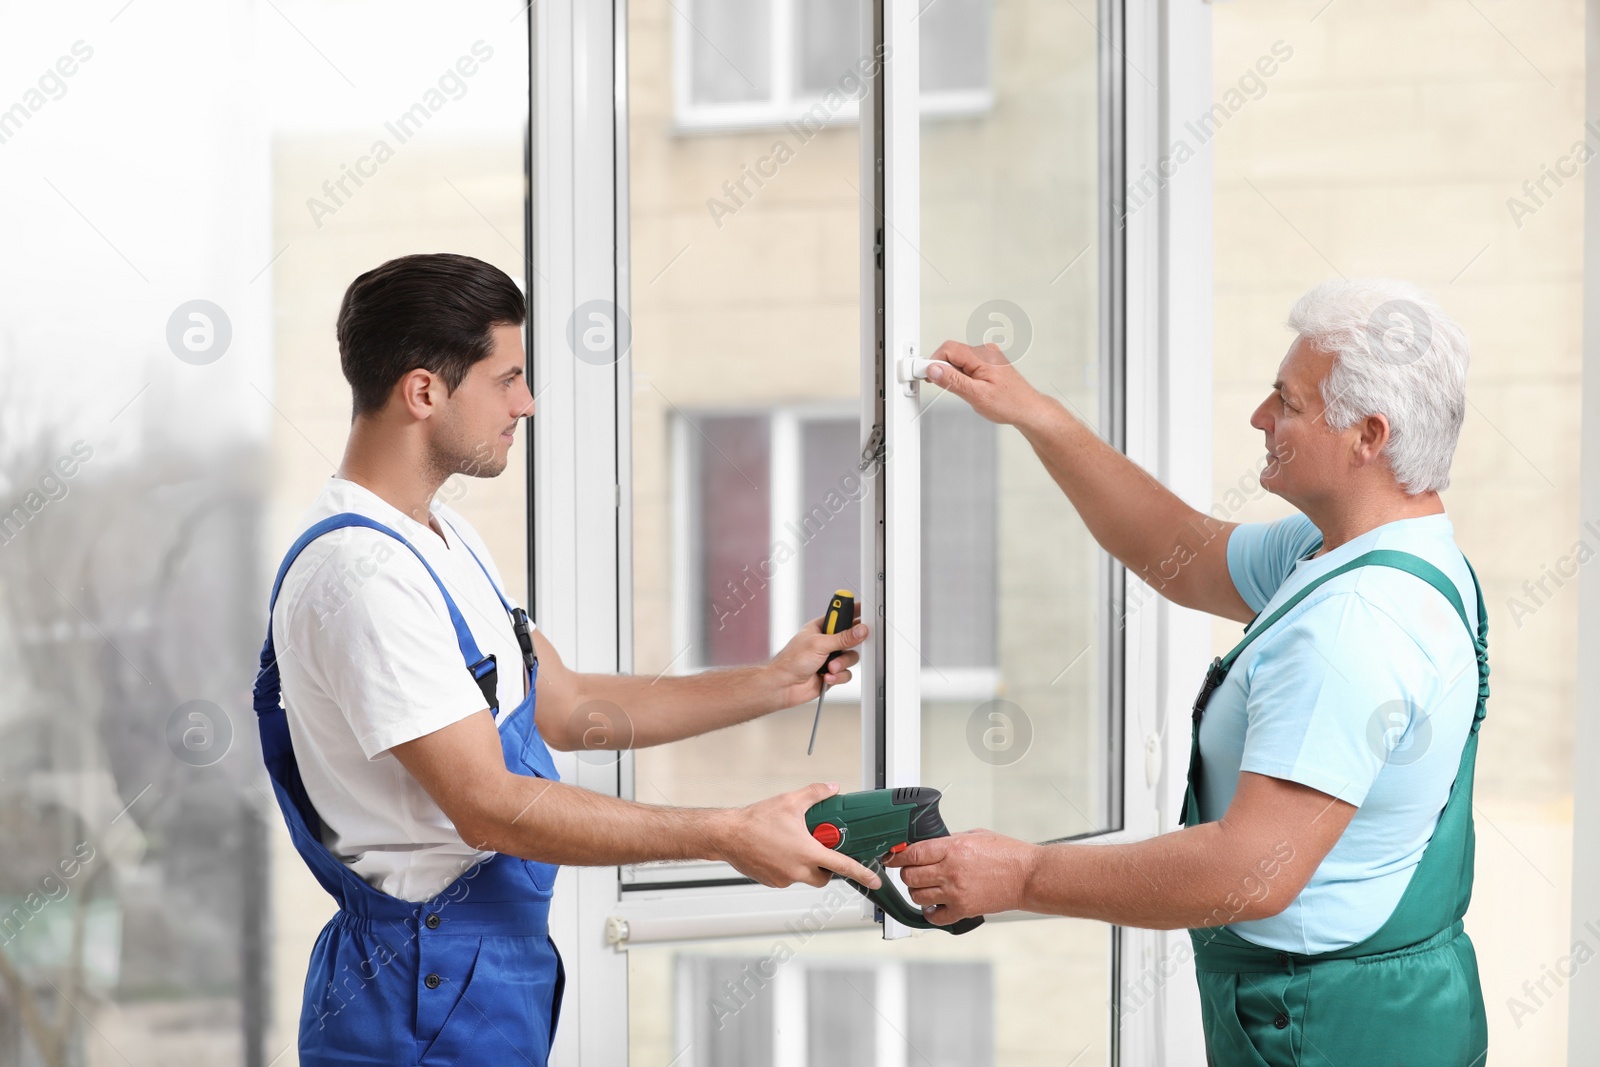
<point x="1373" y="435"/>
<point x="419" y="392"/>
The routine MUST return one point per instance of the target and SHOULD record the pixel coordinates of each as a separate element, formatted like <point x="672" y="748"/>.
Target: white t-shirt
<point x="369" y="660"/>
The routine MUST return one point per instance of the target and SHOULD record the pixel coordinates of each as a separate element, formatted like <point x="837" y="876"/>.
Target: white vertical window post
<point x="1168" y="250"/>
<point x="891" y="308"/>
<point x="578" y="436"/>
<point x="1583" y="1027"/>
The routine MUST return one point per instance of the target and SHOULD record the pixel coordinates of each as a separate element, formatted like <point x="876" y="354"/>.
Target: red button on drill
<point x="901" y="847"/>
<point x="828" y="834"/>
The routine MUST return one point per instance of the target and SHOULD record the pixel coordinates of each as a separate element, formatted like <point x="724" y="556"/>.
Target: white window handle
<point x="911" y="369"/>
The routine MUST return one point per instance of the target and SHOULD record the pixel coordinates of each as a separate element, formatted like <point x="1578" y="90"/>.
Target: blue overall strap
<point x="503" y="601"/>
<point x="268" y="690"/>
<point x="479" y="664"/>
<point x="519" y="618"/>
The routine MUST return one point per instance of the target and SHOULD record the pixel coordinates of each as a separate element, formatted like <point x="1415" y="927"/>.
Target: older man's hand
<point x="978" y="872"/>
<point x="984" y="378"/>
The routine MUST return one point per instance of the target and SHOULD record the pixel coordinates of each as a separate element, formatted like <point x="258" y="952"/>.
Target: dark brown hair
<point x="431" y="311"/>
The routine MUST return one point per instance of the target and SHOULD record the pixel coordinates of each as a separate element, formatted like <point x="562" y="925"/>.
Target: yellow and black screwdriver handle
<point x="872" y="825"/>
<point x="840" y="616"/>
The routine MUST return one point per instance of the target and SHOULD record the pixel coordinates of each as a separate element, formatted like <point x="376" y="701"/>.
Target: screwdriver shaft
<point x="839" y="616"/>
<point x="815" y="719"/>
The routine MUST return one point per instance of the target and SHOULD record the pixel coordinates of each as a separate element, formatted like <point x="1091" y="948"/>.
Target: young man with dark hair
<point x="409" y="753"/>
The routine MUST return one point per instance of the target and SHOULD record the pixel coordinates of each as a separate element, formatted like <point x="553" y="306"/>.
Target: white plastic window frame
<point x="783" y="106"/>
<point x="580" y="522"/>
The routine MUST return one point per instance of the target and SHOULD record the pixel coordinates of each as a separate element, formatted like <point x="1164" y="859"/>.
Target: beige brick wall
<point x="1388" y="145"/>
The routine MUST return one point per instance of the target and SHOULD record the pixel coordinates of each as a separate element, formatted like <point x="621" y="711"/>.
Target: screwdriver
<point x="841" y="615"/>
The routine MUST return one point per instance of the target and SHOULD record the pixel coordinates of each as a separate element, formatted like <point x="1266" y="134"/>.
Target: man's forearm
<point x="1141" y="522"/>
<point x="551" y="822"/>
<point x="671" y="708"/>
<point x="1188" y="879"/>
<point x="462" y="768"/>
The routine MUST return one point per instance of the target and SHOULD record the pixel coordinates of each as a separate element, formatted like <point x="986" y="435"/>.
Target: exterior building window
<point x="770" y="526"/>
<point x="801" y="63"/>
<point x="767" y="1011"/>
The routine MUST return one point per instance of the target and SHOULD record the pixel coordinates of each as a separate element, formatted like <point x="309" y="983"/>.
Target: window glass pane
<point x="745" y="303"/>
<point x="841" y="1025"/>
<point x="729" y="49"/>
<point x="734" y="75"/>
<point x="949" y="1006"/>
<point x="455" y="182"/>
<point x="1015" y="994"/>
<point x="1010" y="217"/>
<point x="955" y="45"/>
<point x="828" y="36"/>
<point x="733" y="506"/>
<point x="182" y="213"/>
<point x="740" y="1034"/>
<point x="830" y="511"/>
<point x="959" y="537"/>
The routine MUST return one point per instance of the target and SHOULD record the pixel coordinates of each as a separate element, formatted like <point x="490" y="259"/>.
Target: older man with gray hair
<point x="1326" y="857"/>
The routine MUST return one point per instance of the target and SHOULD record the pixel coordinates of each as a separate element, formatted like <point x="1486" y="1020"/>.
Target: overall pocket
<point x="446" y="969"/>
<point x="506" y="1008"/>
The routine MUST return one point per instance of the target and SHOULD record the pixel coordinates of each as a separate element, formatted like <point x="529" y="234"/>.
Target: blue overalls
<point x="469" y="977"/>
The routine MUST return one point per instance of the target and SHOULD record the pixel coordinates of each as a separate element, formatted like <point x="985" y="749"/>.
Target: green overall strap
<point x="1409" y="991"/>
<point x="1404" y="561"/>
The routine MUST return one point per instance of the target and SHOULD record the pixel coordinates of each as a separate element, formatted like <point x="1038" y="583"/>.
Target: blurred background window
<point x="185" y="193"/>
<point x="770" y="62"/>
<point x="774" y="528"/>
<point x="833" y="1012"/>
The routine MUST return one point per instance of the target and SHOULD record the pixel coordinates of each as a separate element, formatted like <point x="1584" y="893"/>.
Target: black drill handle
<point x="926" y="825"/>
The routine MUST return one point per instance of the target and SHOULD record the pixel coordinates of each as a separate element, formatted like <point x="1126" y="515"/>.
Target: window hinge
<point x="873" y="455"/>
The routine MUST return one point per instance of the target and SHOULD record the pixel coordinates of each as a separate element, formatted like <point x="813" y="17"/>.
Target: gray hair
<point x="1397" y="354"/>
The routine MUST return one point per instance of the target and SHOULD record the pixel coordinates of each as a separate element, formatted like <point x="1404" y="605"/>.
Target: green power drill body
<point x="871" y="825"/>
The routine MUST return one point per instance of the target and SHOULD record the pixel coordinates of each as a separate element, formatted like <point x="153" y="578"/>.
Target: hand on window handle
<point x="984" y="378"/>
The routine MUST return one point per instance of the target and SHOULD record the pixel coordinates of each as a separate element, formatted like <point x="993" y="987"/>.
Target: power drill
<point x="871" y="825"/>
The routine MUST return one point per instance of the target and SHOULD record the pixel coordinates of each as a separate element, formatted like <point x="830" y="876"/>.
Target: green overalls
<point x="1407" y="996"/>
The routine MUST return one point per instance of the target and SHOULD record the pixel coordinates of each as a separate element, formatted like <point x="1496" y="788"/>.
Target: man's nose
<point x="1259" y="419"/>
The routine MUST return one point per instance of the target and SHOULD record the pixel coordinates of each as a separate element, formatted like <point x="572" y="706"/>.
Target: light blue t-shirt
<point x="1365" y="691"/>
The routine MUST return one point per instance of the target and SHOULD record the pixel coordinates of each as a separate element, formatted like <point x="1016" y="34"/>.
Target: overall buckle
<point x="488" y="680"/>
<point x="519" y="624"/>
<point x="1214" y="676"/>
